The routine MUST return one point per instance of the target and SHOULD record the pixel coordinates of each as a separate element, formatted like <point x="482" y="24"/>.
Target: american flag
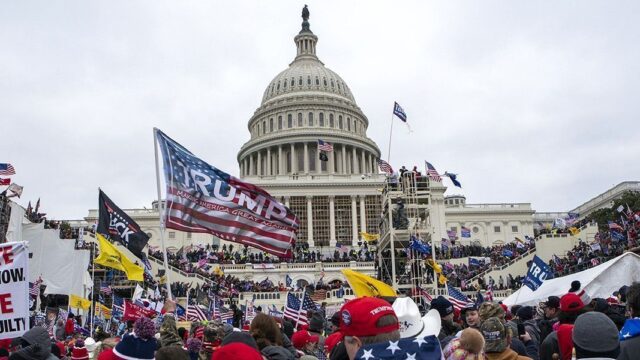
<point x="324" y="146"/>
<point x="7" y="169"/>
<point x="34" y="288"/>
<point x="432" y="173"/>
<point x="385" y="167"/>
<point x="293" y="311"/>
<point x="422" y="292"/>
<point x="220" y="204"/>
<point x="225" y="314"/>
<point x="194" y="313"/>
<point x="105" y="289"/>
<point x="614" y="226"/>
<point x="489" y="293"/>
<point x="457" y="298"/>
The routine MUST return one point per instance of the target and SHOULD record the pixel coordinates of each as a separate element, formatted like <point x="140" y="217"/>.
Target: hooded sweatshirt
<point x="39" y="346"/>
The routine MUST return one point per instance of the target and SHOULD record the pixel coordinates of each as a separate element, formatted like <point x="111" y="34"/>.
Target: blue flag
<point x="419" y="246"/>
<point x="507" y="253"/>
<point x="474" y="262"/>
<point x="538" y="272"/>
<point x="289" y="280"/>
<point x="399" y="112"/>
<point x="420" y="348"/>
<point x="453" y="178"/>
<point x="617" y="236"/>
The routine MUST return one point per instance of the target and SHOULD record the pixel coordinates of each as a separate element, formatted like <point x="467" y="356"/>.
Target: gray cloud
<point x="528" y="102"/>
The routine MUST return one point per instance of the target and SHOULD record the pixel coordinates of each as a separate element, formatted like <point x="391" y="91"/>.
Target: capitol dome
<point x="309" y="148"/>
<point x="303" y="104"/>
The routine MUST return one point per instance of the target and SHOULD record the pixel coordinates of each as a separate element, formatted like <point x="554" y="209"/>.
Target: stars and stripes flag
<point x="195" y="313"/>
<point x="489" y="293"/>
<point x="105" y="289"/>
<point x="399" y="112"/>
<point x="293" y="310"/>
<point x="432" y="173"/>
<point x="324" y="146"/>
<point x="615" y="226"/>
<point x="7" y="169"/>
<point x="385" y="167"/>
<point x="204" y="199"/>
<point x="465" y="232"/>
<point x="225" y="314"/>
<point x="457" y="298"/>
<point x="422" y="292"/>
<point x="34" y="288"/>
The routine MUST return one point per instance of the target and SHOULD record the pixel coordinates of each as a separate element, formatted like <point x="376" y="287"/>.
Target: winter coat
<point x="39" y="346"/>
<point x="549" y="347"/>
<point x="169" y="332"/>
<point x="277" y="353"/>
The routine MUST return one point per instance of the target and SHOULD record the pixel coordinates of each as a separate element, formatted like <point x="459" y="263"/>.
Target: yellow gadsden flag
<point x="111" y="257"/>
<point x="364" y="285"/>
<point x="77" y="302"/>
<point x="369" y="237"/>
<point x="103" y="311"/>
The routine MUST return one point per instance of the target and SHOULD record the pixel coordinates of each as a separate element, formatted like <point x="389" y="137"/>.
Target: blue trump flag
<point x="474" y="262"/>
<point x="538" y="272"/>
<point x="399" y="112"/>
<point x="507" y="253"/>
<point x="419" y="246"/>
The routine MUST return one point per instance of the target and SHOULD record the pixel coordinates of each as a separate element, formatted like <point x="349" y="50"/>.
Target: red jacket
<point x="69" y="327"/>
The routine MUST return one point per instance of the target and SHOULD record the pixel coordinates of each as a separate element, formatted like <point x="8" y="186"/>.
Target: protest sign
<point x="133" y="311"/>
<point x="14" y="290"/>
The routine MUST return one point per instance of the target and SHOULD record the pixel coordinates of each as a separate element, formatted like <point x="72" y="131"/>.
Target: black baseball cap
<point x="553" y="302"/>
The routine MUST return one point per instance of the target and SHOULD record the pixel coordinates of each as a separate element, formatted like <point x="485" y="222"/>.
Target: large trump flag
<point x="202" y="198"/>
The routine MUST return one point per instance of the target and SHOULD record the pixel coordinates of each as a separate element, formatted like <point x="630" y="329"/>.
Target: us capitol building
<point x="336" y="199"/>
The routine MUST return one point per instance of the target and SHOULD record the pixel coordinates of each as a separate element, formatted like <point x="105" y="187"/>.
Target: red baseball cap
<point x="571" y="302"/>
<point x="332" y="340"/>
<point x="301" y="338"/>
<point x="236" y="351"/>
<point x="359" y="317"/>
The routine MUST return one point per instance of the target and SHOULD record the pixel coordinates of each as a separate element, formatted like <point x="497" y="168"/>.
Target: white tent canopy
<point x="598" y="282"/>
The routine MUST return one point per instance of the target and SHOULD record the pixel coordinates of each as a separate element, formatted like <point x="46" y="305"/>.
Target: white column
<point x="332" y="221"/>
<point x="363" y="215"/>
<point x="344" y="159"/>
<point x="363" y="162"/>
<point x="354" y="221"/>
<point x="251" y="164"/>
<point x="306" y="158"/>
<point x="294" y="160"/>
<point x="259" y="169"/>
<point x="332" y="162"/>
<point x="318" y="162"/>
<point x="354" y="161"/>
<point x="286" y="201"/>
<point x="280" y="161"/>
<point x="310" y="221"/>
<point x="268" y="172"/>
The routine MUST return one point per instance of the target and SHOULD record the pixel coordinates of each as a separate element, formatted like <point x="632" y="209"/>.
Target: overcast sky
<point x="528" y="101"/>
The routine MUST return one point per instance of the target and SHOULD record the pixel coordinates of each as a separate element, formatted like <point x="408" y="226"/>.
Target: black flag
<point x="117" y="225"/>
<point x="323" y="156"/>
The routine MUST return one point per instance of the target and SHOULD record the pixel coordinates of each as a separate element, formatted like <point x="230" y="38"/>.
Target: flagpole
<point x="161" y="211"/>
<point x="93" y="288"/>
<point x="389" y="148"/>
<point x="300" y="308"/>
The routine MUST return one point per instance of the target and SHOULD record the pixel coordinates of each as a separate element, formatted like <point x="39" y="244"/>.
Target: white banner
<point x="14" y="290"/>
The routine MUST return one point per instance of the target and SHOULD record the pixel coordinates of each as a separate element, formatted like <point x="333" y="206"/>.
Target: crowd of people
<point x="564" y="326"/>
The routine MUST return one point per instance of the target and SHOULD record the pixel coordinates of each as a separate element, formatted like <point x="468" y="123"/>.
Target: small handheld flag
<point x="432" y="172"/>
<point x="7" y="169"/>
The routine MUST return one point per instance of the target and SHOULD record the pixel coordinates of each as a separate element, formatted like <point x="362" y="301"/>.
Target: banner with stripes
<point x="204" y="199"/>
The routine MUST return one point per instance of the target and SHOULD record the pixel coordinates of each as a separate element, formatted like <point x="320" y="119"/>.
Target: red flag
<point x="134" y="312"/>
<point x="5" y="181"/>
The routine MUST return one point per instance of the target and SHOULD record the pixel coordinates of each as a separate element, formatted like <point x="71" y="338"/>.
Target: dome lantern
<point x="306" y="40"/>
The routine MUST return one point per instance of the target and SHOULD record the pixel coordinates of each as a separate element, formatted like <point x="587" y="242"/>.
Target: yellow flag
<point x="574" y="230"/>
<point x="111" y="257"/>
<point x="369" y="237"/>
<point x="218" y="271"/>
<point x="364" y="285"/>
<point x="103" y="311"/>
<point x="442" y="279"/>
<point x="77" y="302"/>
<point x="434" y="265"/>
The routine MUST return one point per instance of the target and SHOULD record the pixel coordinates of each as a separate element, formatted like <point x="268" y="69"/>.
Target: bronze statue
<point x="305" y="13"/>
